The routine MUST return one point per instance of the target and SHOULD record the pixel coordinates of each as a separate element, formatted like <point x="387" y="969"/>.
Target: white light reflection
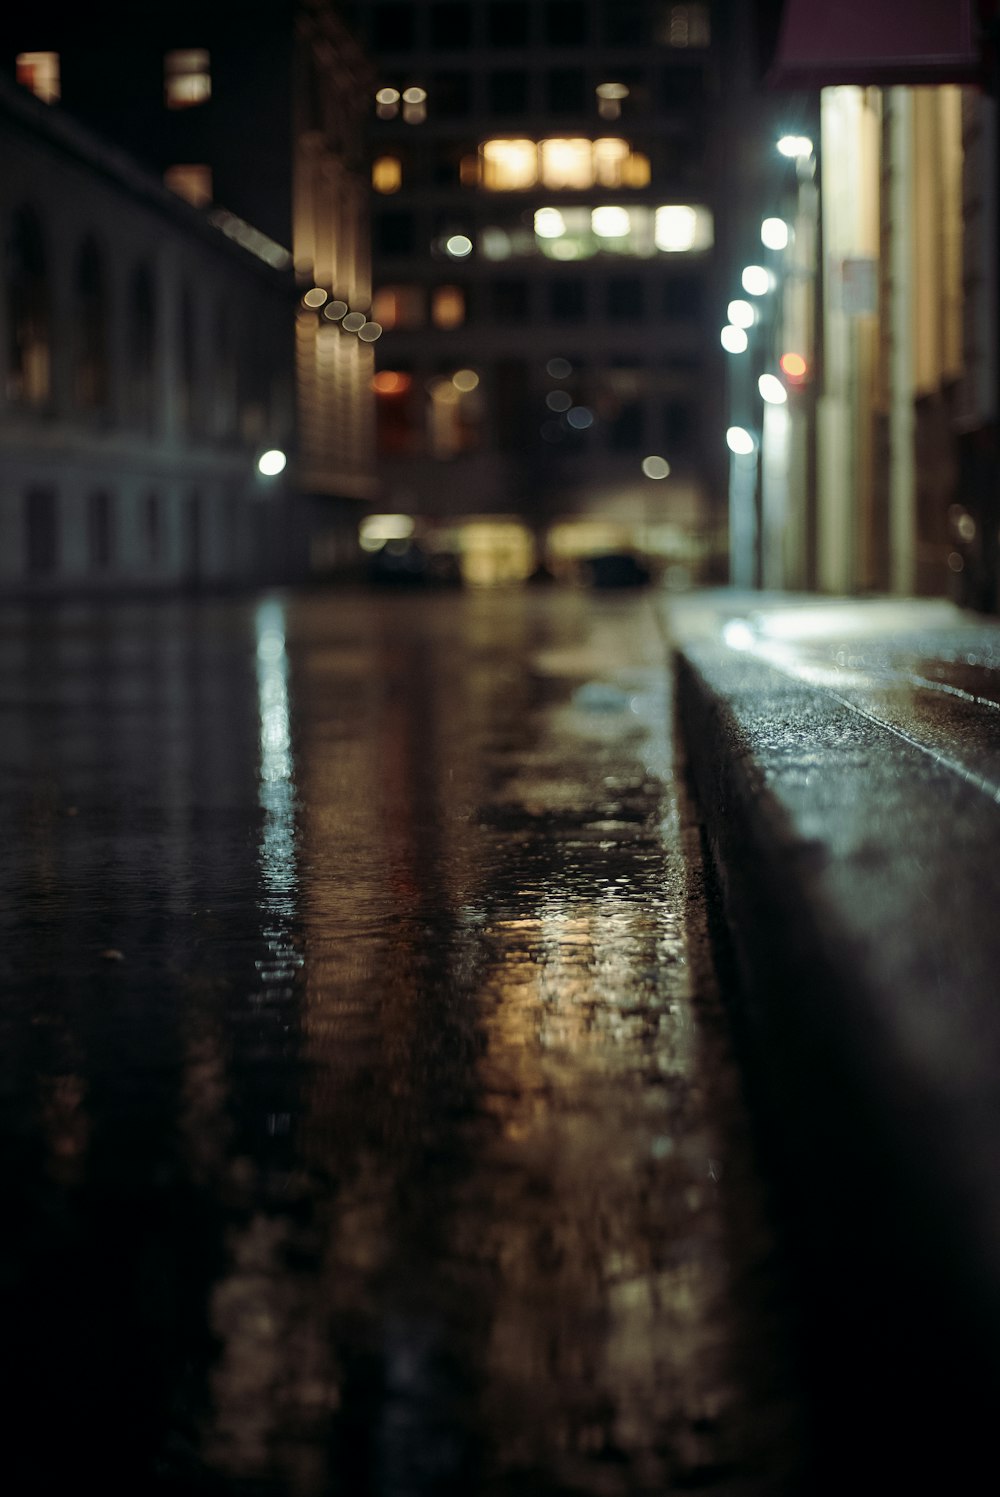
<point x="276" y="850"/>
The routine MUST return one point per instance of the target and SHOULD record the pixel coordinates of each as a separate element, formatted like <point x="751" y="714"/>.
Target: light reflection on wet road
<point x="368" y="1110"/>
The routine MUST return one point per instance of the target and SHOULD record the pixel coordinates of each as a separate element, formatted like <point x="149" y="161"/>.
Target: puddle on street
<point x="372" y="1121"/>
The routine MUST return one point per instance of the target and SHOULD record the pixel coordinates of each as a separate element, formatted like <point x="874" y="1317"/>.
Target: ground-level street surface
<point x="368" y="1110"/>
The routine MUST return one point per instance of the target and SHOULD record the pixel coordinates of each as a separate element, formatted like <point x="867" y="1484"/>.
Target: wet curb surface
<point x="859" y="881"/>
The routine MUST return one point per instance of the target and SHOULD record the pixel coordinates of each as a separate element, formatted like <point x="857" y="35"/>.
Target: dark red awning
<point x="876" y="41"/>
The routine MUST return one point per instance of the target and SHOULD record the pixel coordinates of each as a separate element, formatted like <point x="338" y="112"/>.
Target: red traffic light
<point x="793" y="367"/>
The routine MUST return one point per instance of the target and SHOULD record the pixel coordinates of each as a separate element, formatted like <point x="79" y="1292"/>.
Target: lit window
<point x="687" y="26"/>
<point x="387" y="174"/>
<point x="39" y="71"/>
<point x="186" y="78"/>
<point x="509" y="165"/>
<point x="680" y="228"/>
<point x="567" y="163"/>
<point x="387" y="103"/>
<point x="193" y="183"/>
<point x="610" y="223"/>
<point x="513" y="165"/>
<point x="609" y="100"/>
<point x="448" y="306"/>
<point x="635" y="171"/>
<point x="414" y="105"/>
<point x="398" y="306"/>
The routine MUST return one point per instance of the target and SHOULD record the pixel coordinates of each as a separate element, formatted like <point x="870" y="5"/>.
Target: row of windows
<point x="569" y="299"/>
<point x="187" y="78"/>
<point x="223" y="395"/>
<point x="444" y="414"/>
<point x="564" y="234"/>
<point x="559" y="163"/>
<point x="164" y="536"/>
<point x="402" y="26"/>
<point x="510" y="92"/>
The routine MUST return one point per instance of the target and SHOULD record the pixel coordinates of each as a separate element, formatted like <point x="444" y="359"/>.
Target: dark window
<point x="508" y="92"/>
<point x="510" y="299"/>
<point x="684" y="297"/>
<point x="451" y="25"/>
<point x="29" y="366"/>
<point x="625" y="23"/>
<point x="627" y="428"/>
<point x="41" y="531"/>
<point x="392" y="27"/>
<point x="509" y="23"/>
<point x="510" y="390"/>
<point x="682" y="88"/>
<point x="448" y="96"/>
<point x="193" y="536"/>
<point x="566" y="91"/>
<point x="142" y="346"/>
<point x="624" y="297"/>
<point x="152" y="524"/>
<point x="568" y="300"/>
<point x="395" y="233"/>
<point x="99" y="531"/>
<point x="92" y="375"/>
<point x="566" y="23"/>
<point x="678" y="425"/>
<point x="187" y="391"/>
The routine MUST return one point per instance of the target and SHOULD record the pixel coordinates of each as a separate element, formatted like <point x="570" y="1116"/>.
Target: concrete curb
<point x="862" y="908"/>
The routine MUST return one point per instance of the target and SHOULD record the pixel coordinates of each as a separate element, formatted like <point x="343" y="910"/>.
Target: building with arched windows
<point x="146" y="362"/>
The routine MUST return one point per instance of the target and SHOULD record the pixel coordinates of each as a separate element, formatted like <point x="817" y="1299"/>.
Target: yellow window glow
<point x="448" y="306"/>
<point x="186" y="78"/>
<point x="509" y="165"/>
<point x="191" y="182"/>
<point x="39" y="71"/>
<point x="567" y="163"/>
<point x="387" y="174"/>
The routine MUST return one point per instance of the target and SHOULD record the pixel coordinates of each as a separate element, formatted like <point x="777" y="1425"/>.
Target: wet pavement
<point x="368" y="1110"/>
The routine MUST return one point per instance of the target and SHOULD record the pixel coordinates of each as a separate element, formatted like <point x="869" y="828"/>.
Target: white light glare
<point x="549" y="223"/>
<point x="772" y="390"/>
<point x="739" y="440"/>
<point x="756" y="281"/>
<point x="734" y="339"/>
<point x="741" y="313"/>
<point x="795" y="145"/>
<point x="610" y="223"/>
<point x="271" y="463"/>
<point x="774" y="233"/>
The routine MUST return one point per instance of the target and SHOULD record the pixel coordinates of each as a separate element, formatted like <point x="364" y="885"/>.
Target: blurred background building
<point x="545" y="203"/>
<point x="253" y="115"/>
<point x="860" y="316"/>
<point x="147" y="367"/>
<point x="711" y="283"/>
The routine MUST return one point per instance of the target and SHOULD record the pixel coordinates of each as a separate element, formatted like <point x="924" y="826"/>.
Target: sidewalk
<point x="846" y="758"/>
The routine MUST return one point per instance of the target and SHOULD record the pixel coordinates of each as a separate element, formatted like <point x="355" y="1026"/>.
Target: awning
<point x="823" y="42"/>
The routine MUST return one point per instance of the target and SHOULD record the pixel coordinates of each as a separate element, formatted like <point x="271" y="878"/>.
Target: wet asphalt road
<point x="368" y="1113"/>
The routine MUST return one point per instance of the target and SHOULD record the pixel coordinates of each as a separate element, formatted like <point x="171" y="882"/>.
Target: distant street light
<point x="774" y="233"/>
<point x="756" y="280"/>
<point x="271" y="463"/>
<point x="795" y="145"/>
<point x="734" y="339"/>
<point x="772" y="390"/>
<point x="740" y="441"/>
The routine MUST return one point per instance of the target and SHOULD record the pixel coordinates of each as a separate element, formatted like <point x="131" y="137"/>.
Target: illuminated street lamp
<point x="756" y="280"/>
<point x="271" y="463"/>
<point x="734" y="339"/>
<point x="772" y="390"/>
<point x="795" y="146"/>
